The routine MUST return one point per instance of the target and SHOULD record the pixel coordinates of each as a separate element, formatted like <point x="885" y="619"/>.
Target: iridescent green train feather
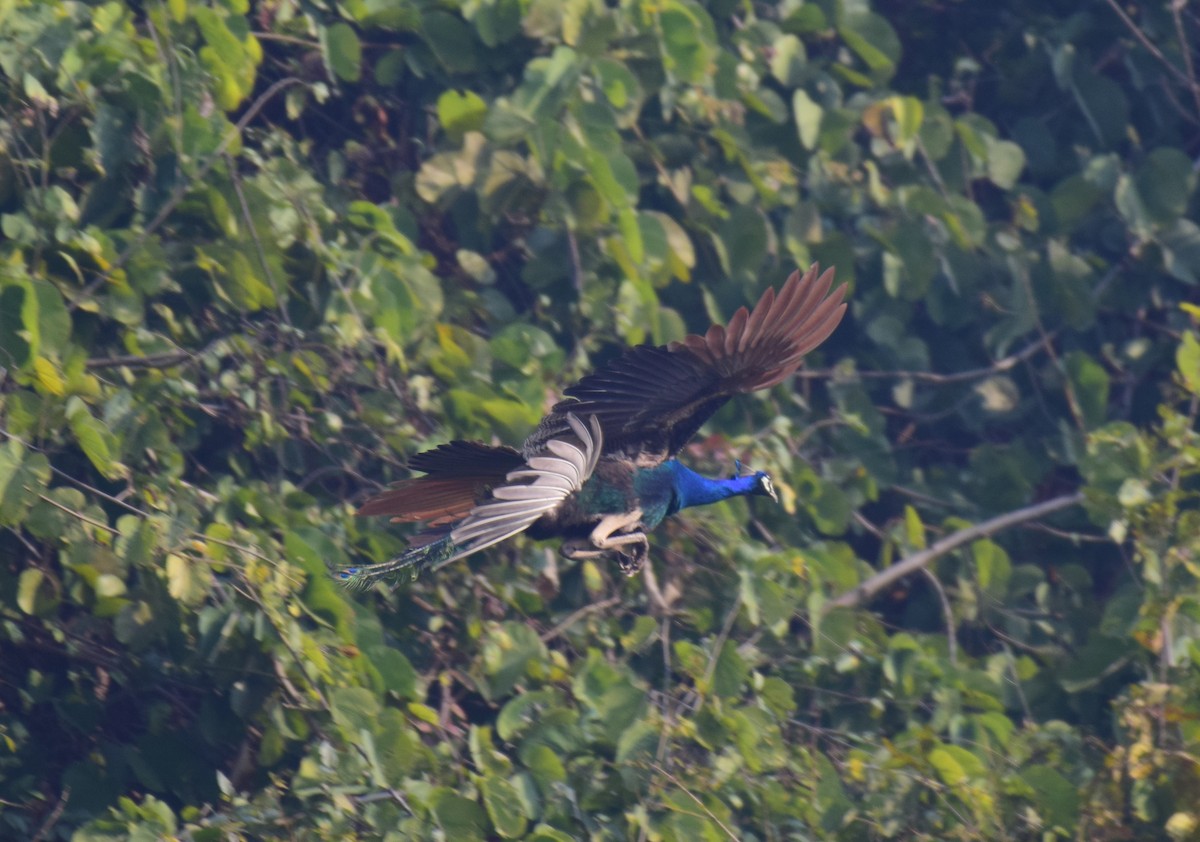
<point x="412" y="562"/>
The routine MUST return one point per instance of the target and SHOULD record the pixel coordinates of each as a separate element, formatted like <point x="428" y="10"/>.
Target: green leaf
<point x="1057" y="799"/>
<point x="484" y="754"/>
<point x="1100" y="657"/>
<point x="1187" y="360"/>
<point x="779" y="696"/>
<point x="355" y="710"/>
<point x="451" y="41"/>
<point x="729" y="672"/>
<point x="460" y="112"/>
<point x="992" y="566"/>
<point x="343" y="51"/>
<point x="459" y="817"/>
<point x="36" y="593"/>
<point x="955" y="765"/>
<point x="545" y="765"/>
<point x="23" y="476"/>
<point x="1005" y="161"/>
<point x="93" y="438"/>
<point x="688" y="40"/>
<point x="1180" y="243"/>
<point x="1165" y="181"/>
<point x="808" y="118"/>
<point x="508" y="651"/>
<point x="1090" y="383"/>
<point x="15" y="344"/>
<point x="788" y="60"/>
<point x="503" y="807"/>
<point x="631" y="234"/>
<point x="873" y="40"/>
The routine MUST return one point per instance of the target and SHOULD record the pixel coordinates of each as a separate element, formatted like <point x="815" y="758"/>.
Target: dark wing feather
<point x="460" y="474"/>
<point x="652" y="399"/>
<point x="466" y="458"/>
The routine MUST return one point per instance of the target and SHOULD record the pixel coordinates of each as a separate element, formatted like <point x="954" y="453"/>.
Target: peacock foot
<point x="633" y="558"/>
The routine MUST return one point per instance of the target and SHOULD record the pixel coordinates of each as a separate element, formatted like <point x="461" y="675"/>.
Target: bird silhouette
<point x="599" y="472"/>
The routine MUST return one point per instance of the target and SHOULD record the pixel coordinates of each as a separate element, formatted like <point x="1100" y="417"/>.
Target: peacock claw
<point x="633" y="562"/>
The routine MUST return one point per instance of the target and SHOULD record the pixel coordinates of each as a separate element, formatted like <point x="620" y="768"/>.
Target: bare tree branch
<point x="1001" y="365"/>
<point x="917" y="561"/>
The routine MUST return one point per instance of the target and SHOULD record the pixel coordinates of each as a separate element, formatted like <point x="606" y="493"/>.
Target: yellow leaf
<point x="48" y="377"/>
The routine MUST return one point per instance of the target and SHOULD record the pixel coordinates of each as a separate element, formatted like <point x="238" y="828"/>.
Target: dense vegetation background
<point x="254" y="255"/>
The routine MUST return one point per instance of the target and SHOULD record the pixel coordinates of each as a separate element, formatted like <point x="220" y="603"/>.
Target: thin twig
<point x="1002" y="365"/>
<point x="868" y="589"/>
<point x="951" y="629"/>
<point x="55" y="814"/>
<point x="1148" y="44"/>
<point x="692" y="796"/>
<point x="576" y="616"/>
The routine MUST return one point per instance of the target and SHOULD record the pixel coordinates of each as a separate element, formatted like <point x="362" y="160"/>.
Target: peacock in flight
<point x="599" y="472"/>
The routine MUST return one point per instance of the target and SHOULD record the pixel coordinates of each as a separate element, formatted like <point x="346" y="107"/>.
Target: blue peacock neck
<point x="692" y="489"/>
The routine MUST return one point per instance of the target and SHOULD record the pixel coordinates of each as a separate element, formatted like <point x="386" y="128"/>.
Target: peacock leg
<point x="631" y="552"/>
<point x="624" y="535"/>
<point x="604" y="535"/>
<point x="578" y="550"/>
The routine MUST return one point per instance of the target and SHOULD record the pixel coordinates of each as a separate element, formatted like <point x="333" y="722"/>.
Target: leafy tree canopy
<point x="254" y="255"/>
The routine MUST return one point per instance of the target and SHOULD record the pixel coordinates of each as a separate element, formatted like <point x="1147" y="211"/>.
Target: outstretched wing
<point x="460" y="474"/>
<point x="538" y="488"/>
<point x="652" y="399"/>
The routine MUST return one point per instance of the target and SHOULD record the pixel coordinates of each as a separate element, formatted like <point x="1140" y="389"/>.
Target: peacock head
<point x="762" y="485"/>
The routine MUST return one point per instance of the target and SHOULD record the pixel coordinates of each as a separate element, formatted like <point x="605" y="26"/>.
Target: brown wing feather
<point x="651" y="400"/>
<point x="460" y="475"/>
<point x="432" y="499"/>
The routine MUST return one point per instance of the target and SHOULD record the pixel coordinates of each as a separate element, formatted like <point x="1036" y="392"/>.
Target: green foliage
<point x="254" y="255"/>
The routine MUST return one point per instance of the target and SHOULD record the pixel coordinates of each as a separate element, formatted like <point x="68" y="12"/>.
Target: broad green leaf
<point x="354" y="709"/>
<point x="484" y="755"/>
<point x="451" y="41"/>
<point x="1165" y="181"/>
<point x="35" y="593"/>
<point x="1187" y="360"/>
<point x="1180" y="243"/>
<point x="508" y="651"/>
<point x="1056" y="798"/>
<point x="503" y="807"/>
<point x="729" y="672"/>
<point x="873" y="40"/>
<point x="688" y="40"/>
<point x="460" y="818"/>
<point x="914" y="529"/>
<point x="808" y="118"/>
<point x="1090" y="383"/>
<point x="94" y="439"/>
<point x="1005" y="162"/>
<point x="992" y="566"/>
<point x="48" y="377"/>
<point x="343" y="51"/>
<point x="788" y="60"/>
<point x="23" y="475"/>
<point x="15" y="344"/>
<point x="460" y="112"/>
<point x="955" y="765"/>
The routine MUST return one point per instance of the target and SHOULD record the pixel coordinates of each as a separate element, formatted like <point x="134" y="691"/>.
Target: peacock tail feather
<point x="405" y="567"/>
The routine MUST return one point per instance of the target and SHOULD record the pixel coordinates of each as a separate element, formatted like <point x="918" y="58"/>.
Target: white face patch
<point x="767" y="486"/>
